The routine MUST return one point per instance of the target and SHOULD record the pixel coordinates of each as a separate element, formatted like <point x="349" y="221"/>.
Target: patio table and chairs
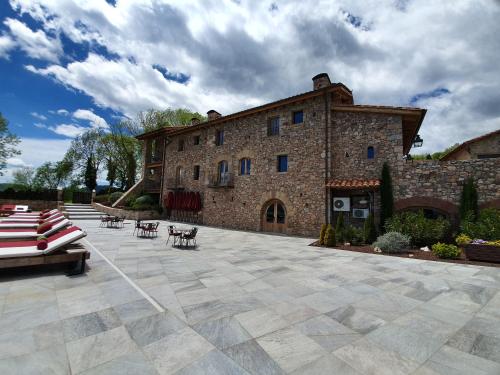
<point x="147" y="229"/>
<point x="183" y="237"/>
<point x="112" y="221"/>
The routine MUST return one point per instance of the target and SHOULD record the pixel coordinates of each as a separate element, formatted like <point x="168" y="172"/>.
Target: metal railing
<point x="221" y="180"/>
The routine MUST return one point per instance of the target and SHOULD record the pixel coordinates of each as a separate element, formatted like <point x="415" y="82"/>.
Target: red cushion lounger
<point x="29" y="253"/>
<point x="13" y="233"/>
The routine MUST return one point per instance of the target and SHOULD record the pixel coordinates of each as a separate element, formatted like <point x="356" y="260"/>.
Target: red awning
<point x="347" y="184"/>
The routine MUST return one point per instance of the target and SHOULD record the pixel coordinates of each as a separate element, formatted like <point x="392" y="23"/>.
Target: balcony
<point x="174" y="184"/>
<point x="224" y="180"/>
<point x="152" y="186"/>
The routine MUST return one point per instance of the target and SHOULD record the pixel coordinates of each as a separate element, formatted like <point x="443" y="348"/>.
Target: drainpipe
<point x="327" y="160"/>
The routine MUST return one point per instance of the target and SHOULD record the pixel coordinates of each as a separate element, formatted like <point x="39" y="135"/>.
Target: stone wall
<point x="444" y="179"/>
<point x="35" y="205"/>
<point x="301" y="189"/>
<point x="127" y="214"/>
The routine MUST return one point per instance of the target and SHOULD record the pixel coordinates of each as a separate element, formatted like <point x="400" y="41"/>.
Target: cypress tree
<point x="339" y="228"/>
<point x="330" y="236"/>
<point x="322" y="234"/>
<point x="468" y="200"/>
<point x="369" y="230"/>
<point x="90" y="176"/>
<point x="386" y="196"/>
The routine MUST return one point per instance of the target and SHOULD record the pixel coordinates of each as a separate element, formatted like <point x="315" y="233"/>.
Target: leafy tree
<point x="154" y="119"/>
<point x="111" y="177"/>
<point x="8" y="143"/>
<point x="23" y="176"/>
<point x="340" y="228"/>
<point x="369" y="230"/>
<point x="52" y="175"/>
<point x="468" y="201"/>
<point x="84" y="147"/>
<point x="90" y="176"/>
<point x="322" y="234"/>
<point x="386" y="196"/>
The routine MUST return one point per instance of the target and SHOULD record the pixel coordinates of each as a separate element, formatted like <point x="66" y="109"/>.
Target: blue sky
<point x="67" y="66"/>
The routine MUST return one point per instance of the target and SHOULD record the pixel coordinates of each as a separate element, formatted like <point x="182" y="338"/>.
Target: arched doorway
<point x="274" y="217"/>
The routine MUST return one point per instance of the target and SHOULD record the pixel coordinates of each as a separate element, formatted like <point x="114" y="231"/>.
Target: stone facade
<point x="336" y="140"/>
<point x="300" y="189"/>
<point x="486" y="146"/>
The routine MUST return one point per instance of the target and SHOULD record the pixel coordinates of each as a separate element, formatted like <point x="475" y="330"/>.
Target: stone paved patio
<point x="249" y="303"/>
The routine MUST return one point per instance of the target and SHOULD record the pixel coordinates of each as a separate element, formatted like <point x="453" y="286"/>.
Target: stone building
<point x="486" y="146"/>
<point x="291" y="165"/>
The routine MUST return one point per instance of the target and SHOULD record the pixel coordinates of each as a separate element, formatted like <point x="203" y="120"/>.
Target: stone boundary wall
<point x="127" y="214"/>
<point x="35" y="205"/>
<point x="443" y="181"/>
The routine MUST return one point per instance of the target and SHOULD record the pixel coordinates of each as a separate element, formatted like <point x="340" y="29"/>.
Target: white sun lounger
<point x="32" y="232"/>
<point x="35" y="218"/>
<point x="31" y="214"/>
<point x="26" y="253"/>
<point x="28" y="224"/>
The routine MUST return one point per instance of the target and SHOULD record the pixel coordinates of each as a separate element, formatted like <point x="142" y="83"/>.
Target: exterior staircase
<point x="80" y="211"/>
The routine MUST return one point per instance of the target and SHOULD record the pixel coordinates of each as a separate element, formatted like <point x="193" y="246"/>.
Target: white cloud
<point x="40" y="125"/>
<point x="62" y="112"/>
<point x="96" y="122"/>
<point x="36" y="44"/>
<point x="38" y="116"/>
<point x="241" y="54"/>
<point x="68" y="130"/>
<point x="6" y="44"/>
<point x="17" y="162"/>
<point x="35" y="152"/>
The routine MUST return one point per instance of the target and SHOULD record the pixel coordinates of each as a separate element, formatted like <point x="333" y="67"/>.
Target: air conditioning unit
<point x="341" y="204"/>
<point x="360" y="213"/>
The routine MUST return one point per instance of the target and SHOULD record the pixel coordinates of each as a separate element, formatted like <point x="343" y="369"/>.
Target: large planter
<point x="483" y="253"/>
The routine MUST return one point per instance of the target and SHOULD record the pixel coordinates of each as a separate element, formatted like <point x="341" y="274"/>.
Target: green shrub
<point x="393" y="242"/>
<point x="340" y="228"/>
<point x="144" y="200"/>
<point x="443" y="250"/>
<point x="422" y="231"/>
<point x="369" y="230"/>
<point x="103" y="199"/>
<point x="462" y="239"/>
<point x="468" y="200"/>
<point x="356" y="236"/>
<point x="322" y="234"/>
<point x="129" y="202"/>
<point x="486" y="227"/>
<point x="329" y="236"/>
<point x="113" y="197"/>
<point x="386" y="197"/>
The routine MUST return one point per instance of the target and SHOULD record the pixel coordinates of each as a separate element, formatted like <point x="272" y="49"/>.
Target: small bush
<point x="340" y="228"/>
<point x="329" y="236"/>
<point x="144" y="200"/>
<point x="356" y="236"/>
<point x="462" y="240"/>
<point x="392" y="242"/>
<point x="486" y="227"/>
<point x="443" y="250"/>
<point x="103" y="199"/>
<point x="113" y="197"/>
<point x="369" y="230"/>
<point x="322" y="234"/>
<point x="422" y="231"/>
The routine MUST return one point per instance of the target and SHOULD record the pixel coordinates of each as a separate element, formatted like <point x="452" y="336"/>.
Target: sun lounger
<point x="31" y="219"/>
<point x="10" y="233"/>
<point x="27" y="253"/>
<point x="33" y="214"/>
<point x="28" y="224"/>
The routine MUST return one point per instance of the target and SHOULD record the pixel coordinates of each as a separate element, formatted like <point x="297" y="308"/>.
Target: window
<point x="245" y="165"/>
<point x="223" y="172"/>
<point x="178" y="176"/>
<point x="273" y="127"/>
<point x="370" y="153"/>
<point x="282" y="163"/>
<point x="196" y="172"/>
<point x="196" y="140"/>
<point x="298" y="117"/>
<point x="219" y="137"/>
<point x="180" y="145"/>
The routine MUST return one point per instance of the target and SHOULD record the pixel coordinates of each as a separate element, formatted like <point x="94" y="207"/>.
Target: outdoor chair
<point x="137" y="227"/>
<point x="104" y="221"/>
<point x="151" y="229"/>
<point x="189" y="237"/>
<point x="172" y="232"/>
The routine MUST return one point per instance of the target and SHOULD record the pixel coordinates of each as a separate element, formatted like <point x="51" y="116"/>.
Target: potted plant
<point x="485" y="251"/>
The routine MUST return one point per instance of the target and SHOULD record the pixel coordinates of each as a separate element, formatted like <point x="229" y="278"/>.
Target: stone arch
<point x="446" y="207"/>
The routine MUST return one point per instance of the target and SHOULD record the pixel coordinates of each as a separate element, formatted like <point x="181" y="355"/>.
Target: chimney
<point x="213" y="115"/>
<point x="195" y="121"/>
<point x="320" y="81"/>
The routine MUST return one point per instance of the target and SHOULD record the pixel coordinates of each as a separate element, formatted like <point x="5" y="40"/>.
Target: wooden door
<point x="274" y="217"/>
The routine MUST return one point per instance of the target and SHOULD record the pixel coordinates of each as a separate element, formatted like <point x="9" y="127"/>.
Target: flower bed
<point x="482" y="252"/>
